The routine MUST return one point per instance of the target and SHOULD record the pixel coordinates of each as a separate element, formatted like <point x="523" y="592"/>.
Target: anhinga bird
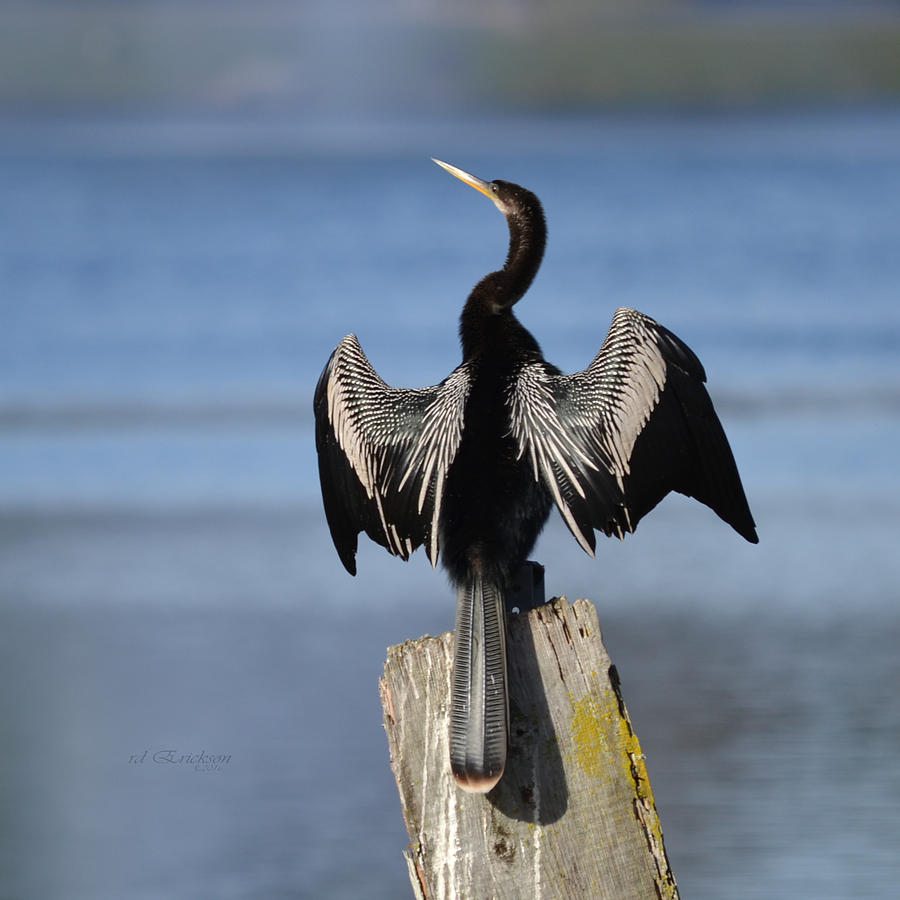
<point x="472" y="466"/>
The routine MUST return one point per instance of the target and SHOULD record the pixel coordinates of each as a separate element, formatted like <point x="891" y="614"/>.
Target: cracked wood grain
<point x="573" y="815"/>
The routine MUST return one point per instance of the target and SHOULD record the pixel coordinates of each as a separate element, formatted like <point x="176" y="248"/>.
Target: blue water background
<point x="169" y="292"/>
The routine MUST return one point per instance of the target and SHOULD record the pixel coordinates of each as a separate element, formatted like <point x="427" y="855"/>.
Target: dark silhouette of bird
<point x="471" y="467"/>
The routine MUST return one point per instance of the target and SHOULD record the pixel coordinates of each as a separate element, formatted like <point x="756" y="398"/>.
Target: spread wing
<point x="384" y="453"/>
<point x="611" y="441"/>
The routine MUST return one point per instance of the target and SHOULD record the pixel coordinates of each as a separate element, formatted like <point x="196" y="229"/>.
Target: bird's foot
<point x="526" y="588"/>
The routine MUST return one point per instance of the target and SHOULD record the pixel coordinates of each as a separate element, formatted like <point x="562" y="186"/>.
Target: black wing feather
<point x="383" y="454"/>
<point x="612" y="440"/>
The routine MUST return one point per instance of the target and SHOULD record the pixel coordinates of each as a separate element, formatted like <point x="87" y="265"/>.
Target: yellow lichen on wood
<point x="631" y="756"/>
<point x="590" y="726"/>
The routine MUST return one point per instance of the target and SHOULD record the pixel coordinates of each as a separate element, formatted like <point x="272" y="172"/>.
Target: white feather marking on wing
<point x="604" y="410"/>
<point x="377" y="429"/>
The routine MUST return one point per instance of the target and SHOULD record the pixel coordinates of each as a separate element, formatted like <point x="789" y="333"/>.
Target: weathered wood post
<point x="573" y="815"/>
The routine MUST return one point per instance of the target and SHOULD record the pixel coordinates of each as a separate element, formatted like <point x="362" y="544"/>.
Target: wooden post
<point x="573" y="815"/>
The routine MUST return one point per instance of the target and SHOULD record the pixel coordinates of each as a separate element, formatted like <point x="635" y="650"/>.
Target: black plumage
<point x="470" y="468"/>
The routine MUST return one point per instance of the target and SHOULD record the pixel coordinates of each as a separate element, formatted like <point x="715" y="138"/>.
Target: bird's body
<point x="493" y="508"/>
<point x="472" y="467"/>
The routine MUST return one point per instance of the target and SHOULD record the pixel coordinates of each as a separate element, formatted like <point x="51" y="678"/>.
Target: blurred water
<point x="166" y="577"/>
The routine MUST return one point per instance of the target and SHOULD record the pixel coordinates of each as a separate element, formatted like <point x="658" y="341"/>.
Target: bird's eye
<point x="495" y="189"/>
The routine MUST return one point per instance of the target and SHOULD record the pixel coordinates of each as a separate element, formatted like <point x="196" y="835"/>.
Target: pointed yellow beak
<point x="483" y="186"/>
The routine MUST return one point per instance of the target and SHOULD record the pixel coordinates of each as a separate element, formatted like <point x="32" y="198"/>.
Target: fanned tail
<point x="478" y="711"/>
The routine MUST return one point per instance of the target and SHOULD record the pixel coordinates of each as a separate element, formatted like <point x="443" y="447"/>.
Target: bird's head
<point x="511" y="199"/>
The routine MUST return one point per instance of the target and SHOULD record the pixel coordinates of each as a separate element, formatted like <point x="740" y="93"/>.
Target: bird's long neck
<point x="494" y="296"/>
<point x="527" y="239"/>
